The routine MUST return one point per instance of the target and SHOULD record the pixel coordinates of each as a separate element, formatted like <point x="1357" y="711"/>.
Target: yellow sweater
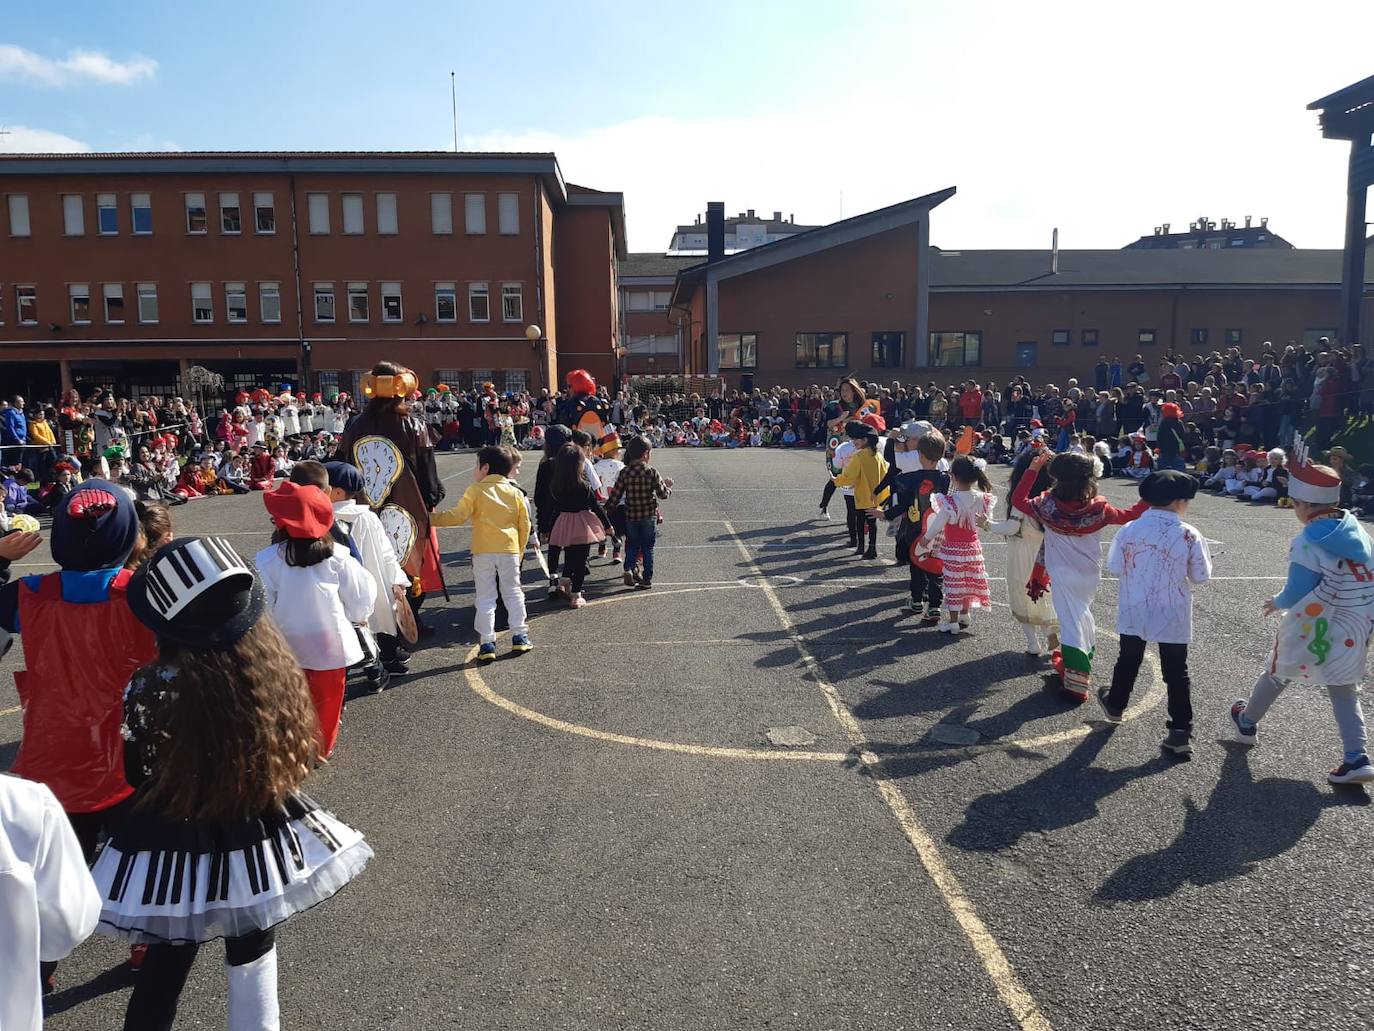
<point x="40" y="432"/>
<point x="496" y="509"/>
<point x="864" y="472"/>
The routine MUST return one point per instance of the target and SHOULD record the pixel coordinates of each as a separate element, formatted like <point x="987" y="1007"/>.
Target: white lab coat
<point x="48" y="902"/>
<point x="1158" y="558"/>
<point x="379" y="559"/>
<point x="318" y="606"/>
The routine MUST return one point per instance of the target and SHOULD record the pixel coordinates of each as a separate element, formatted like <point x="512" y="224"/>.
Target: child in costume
<point x="1029" y="594"/>
<point x="1273" y="481"/>
<point x="953" y="530"/>
<point x="640" y="488"/>
<point x="218" y="735"/>
<point x="607" y="467"/>
<point x="545" y="509"/>
<point x="581" y="520"/>
<point x="1072" y="515"/>
<point x="1140" y="462"/>
<point x="1225" y="471"/>
<point x="500" y="530"/>
<point x="1323" y="638"/>
<point x="316" y="592"/>
<point x="864" y="473"/>
<point x="915" y="492"/>
<point x="1158" y="558"/>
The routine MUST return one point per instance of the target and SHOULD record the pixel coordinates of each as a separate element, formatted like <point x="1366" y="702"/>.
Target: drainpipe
<point x="540" y="353"/>
<point x="306" y="385"/>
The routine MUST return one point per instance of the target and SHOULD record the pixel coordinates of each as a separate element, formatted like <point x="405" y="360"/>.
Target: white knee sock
<point x="1032" y="638"/>
<point x="253" y="995"/>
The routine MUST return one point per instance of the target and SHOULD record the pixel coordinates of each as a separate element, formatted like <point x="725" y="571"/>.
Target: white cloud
<point x="20" y="139"/>
<point x="78" y="67"/>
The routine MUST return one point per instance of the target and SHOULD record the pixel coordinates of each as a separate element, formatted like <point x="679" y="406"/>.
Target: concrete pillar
<point x="1352" y="265"/>
<point x="64" y="369"/>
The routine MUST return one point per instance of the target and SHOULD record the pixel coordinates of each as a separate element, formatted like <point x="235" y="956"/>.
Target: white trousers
<point x="491" y="573"/>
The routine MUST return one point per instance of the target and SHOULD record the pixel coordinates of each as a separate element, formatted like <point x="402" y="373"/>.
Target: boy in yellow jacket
<point x="864" y="472"/>
<point x="500" y="530"/>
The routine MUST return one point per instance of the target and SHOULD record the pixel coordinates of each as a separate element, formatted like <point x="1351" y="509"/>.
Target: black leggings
<point x="555" y="552"/>
<point x="575" y="564"/>
<point x="828" y="493"/>
<point x="153" y="1004"/>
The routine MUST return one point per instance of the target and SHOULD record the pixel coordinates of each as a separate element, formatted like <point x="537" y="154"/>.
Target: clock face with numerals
<point x="400" y="530"/>
<point x="381" y="464"/>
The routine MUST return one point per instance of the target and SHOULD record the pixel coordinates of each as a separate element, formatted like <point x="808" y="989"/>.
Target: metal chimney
<point x="715" y="230"/>
<point x="1054" y="253"/>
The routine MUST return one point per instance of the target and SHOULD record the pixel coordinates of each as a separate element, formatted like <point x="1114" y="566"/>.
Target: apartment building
<point x="301" y="269"/>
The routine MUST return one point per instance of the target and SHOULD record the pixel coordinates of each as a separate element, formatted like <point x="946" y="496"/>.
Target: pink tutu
<point x="577" y="528"/>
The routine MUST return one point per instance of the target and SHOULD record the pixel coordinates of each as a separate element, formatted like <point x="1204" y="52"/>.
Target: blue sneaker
<point x="486" y="653"/>
<point x="1247" y="733"/>
<point x="520" y="643"/>
<point x="1358" y="772"/>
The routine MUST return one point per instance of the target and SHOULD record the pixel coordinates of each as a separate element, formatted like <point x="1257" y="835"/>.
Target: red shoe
<point x="137" y="953"/>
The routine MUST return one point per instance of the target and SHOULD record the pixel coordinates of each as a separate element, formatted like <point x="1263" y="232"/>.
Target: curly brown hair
<point x="241" y="731"/>
<point x="154" y="530"/>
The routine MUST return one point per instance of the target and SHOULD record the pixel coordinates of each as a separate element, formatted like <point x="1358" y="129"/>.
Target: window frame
<point x="266" y="289"/>
<point x="435" y="198"/>
<point x="204" y="230"/>
<point x="842" y="336"/>
<point x="483" y="290"/>
<point x="1198" y="341"/>
<point x="143" y="291"/>
<point x="451" y="290"/>
<point x="311" y="212"/>
<point x="501" y="212"/>
<point x="106" y="296"/>
<point x="18" y="202"/>
<point x="229" y="293"/>
<point x="1034" y="351"/>
<point x="740" y="363"/>
<point x="387" y="215"/>
<point x="1227" y="340"/>
<point x="391" y="290"/>
<point x="75" y="292"/>
<point x="516" y="291"/>
<point x="29" y="292"/>
<point x="1140" y="340"/>
<point x="1061" y="337"/>
<point x="67" y="212"/>
<point x="901" y="348"/>
<point x="100" y="211"/>
<point x="236" y="207"/>
<point x="1083" y="338"/>
<point x="353" y="291"/>
<point x="258" y="208"/>
<point x="317" y="291"/>
<point x="207" y="295"/>
<point x="135" y="208"/>
<point x="354" y="200"/>
<point x="468" y="210"/>
<point x="933" y="354"/>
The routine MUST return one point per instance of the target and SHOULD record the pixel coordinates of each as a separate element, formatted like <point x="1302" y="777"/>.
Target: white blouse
<point x="318" y="606"/>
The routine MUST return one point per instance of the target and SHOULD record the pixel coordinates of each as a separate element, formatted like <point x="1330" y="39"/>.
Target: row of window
<point x="357" y="299"/>
<point x="814" y="350"/>
<point x="647" y="300"/>
<point x="1144" y="337"/>
<point x="263" y="215"/>
<point x="331" y="381"/>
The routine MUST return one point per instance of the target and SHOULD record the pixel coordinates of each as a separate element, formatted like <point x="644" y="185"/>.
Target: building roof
<point x="1347" y="114"/>
<point x="1245" y="236"/>
<point x="652" y="263"/>
<point x="772" y="225"/>
<point x="1133" y="269"/>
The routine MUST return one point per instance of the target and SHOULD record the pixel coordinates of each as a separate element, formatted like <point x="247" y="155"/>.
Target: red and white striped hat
<point x="1309" y="484"/>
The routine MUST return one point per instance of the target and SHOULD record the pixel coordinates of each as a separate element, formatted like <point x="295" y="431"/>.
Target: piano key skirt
<point x="179" y="882"/>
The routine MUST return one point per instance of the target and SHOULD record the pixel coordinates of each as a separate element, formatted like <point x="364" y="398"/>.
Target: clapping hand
<point x="16" y="545"/>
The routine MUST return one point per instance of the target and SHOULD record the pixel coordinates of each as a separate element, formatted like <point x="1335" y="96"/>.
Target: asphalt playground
<point x="759" y="797"/>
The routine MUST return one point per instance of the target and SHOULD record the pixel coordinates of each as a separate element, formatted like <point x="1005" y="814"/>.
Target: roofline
<point x="812" y="241"/>
<point x="657" y="279"/>
<point x="1331" y="99"/>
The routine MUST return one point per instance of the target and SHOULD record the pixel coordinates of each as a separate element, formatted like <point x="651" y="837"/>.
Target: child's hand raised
<point x="1039" y="461"/>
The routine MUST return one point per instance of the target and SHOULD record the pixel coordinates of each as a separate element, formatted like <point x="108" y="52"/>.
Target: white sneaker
<point x="822" y="514"/>
<point x="963" y="622"/>
<point x="948" y="628"/>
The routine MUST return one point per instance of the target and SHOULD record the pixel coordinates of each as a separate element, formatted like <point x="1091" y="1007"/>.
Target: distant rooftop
<point x="654" y="264"/>
<point x="1205" y="234"/>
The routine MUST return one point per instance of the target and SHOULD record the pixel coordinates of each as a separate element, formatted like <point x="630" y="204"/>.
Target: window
<point x="1311" y="338"/>
<point x="81" y="303"/>
<point x="1145" y="338"/>
<point x="19" y="214"/>
<point x="264" y="213"/>
<point x="512" y="303"/>
<point x="235" y="302"/>
<point x="480" y="376"/>
<point x="386" y="214"/>
<point x="318" y="206"/>
<point x="147" y="303"/>
<point x="114" y="303"/>
<point x="328" y="382"/>
<point x="515" y="381"/>
<point x="391" y="302"/>
<point x="449" y="377"/>
<point x="639" y="300"/>
<point x="508" y="213"/>
<point x="106" y="214"/>
<point x="1233" y="337"/>
<point x="475" y="213"/>
<point x="738" y="350"/>
<point x="1061" y="338"/>
<point x="230" y="215"/>
<point x="822" y="350"/>
<point x="1088" y="337"/>
<point x="352" y="214"/>
<point x="141" y="205"/>
<point x="324" y="302"/>
<point x="950" y="350"/>
<point x="887" y="350"/>
<point x="197" y="221"/>
<point x="441" y="213"/>
<point x="1027" y="353"/>
<point x="202" y="307"/>
<point x="357" y="302"/>
<point x="73" y="215"/>
<point x="479" y="303"/>
<point x="269" y="301"/>
<point x="445" y="303"/>
<point x="661" y="299"/>
<point x="1198" y="337"/>
<point x="26" y="298"/>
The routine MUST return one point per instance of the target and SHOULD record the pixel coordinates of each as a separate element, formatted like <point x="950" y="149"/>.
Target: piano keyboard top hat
<point x="178" y="576"/>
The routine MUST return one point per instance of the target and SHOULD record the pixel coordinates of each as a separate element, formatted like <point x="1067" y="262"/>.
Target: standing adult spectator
<point x="1101" y="374"/>
<point x="14" y="430"/>
<point x="1135" y="372"/>
<point x="1114" y="373"/>
<point x="970" y="404"/>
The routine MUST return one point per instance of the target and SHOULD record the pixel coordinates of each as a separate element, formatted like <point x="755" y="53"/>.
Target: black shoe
<point x="1178" y="741"/>
<point x="855" y="544"/>
<point x="1109" y="715"/>
<point x="402" y="653"/>
<point x="871" y="553"/>
<point x="425" y="630"/>
<point x="645" y="583"/>
<point x="396" y="667"/>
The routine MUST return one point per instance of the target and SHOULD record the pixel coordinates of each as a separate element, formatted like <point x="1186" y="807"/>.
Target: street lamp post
<point x="532" y="334"/>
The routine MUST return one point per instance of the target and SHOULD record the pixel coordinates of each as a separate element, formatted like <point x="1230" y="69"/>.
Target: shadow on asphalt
<point x="1244" y="822"/>
<point x="7" y="754"/>
<point x="112" y="980"/>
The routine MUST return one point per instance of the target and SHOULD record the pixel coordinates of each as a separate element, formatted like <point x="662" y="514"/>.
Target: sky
<point x="1103" y="120"/>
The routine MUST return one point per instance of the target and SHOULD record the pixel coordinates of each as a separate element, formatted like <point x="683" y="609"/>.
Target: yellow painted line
<point x="12" y="711"/>
<point x="1010" y="988"/>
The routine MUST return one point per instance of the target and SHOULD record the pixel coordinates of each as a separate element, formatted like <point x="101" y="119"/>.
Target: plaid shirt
<point x="641" y="487"/>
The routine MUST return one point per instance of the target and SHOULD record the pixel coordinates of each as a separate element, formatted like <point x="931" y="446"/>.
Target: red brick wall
<point x="584" y="260"/>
